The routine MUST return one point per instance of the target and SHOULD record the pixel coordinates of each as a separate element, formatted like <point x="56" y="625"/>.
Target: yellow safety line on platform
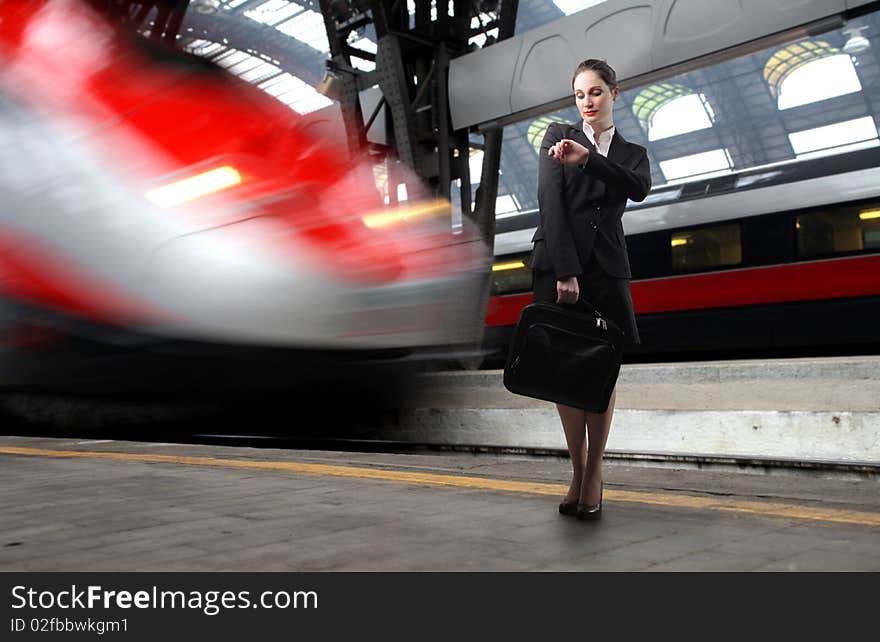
<point x="767" y="509"/>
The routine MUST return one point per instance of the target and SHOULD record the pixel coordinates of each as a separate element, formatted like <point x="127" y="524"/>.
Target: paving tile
<point x="819" y="559"/>
<point x="710" y="561"/>
<point x="659" y="549"/>
<point x="858" y="539"/>
<point x="86" y="561"/>
<point x="778" y="544"/>
<point x="594" y="563"/>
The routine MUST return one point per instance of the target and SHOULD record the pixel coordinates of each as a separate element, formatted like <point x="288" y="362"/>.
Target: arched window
<point x="537" y="129"/>
<point x="809" y="71"/>
<point x="669" y="109"/>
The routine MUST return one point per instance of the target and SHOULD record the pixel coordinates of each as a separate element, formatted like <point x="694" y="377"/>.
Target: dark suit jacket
<point x="582" y="205"/>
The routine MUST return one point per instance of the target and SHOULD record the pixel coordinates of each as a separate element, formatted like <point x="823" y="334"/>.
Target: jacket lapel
<point x="617" y="152"/>
<point x="576" y="133"/>
<point x="619" y="149"/>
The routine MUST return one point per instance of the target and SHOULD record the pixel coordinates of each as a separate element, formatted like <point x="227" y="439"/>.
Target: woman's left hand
<point x="569" y="151"/>
<point x="567" y="290"/>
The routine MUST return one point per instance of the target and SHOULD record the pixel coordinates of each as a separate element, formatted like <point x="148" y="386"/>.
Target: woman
<point x="587" y="171"/>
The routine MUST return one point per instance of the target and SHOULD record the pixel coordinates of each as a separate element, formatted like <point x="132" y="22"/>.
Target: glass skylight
<point x="294" y="92"/>
<point x="835" y="139"/>
<point x="477" y="22"/>
<point x="569" y="7"/>
<point x="819" y="80"/>
<point x="704" y="165"/>
<point x="204" y="48"/>
<point x="285" y="87"/>
<point x="273" y="11"/>
<point x="248" y="67"/>
<point x="682" y="115"/>
<point x="364" y="44"/>
<point x="308" y="27"/>
<point x="294" y="20"/>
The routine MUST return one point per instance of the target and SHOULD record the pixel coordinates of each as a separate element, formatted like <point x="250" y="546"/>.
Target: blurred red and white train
<point x="777" y="257"/>
<point x="162" y="221"/>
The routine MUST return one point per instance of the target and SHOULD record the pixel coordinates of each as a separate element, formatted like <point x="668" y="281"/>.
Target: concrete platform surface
<point x="77" y="505"/>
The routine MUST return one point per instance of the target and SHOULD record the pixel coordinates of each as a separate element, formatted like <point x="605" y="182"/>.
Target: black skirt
<point x="609" y="295"/>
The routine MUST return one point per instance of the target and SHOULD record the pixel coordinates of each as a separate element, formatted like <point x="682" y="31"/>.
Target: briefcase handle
<point x="582" y="305"/>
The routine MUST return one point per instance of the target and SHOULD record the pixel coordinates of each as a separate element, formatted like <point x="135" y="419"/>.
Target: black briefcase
<point x="568" y="354"/>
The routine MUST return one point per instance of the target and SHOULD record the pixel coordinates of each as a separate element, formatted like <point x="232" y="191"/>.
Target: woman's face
<point x="595" y="100"/>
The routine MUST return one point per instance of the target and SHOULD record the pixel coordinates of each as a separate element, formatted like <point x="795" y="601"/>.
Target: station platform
<point x="819" y="412"/>
<point x="103" y="505"/>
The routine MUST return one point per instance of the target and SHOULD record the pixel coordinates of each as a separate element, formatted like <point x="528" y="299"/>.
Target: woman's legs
<point x="574" y="425"/>
<point x="598" y="427"/>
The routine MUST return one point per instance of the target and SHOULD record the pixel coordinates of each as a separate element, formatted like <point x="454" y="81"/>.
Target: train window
<point x="706" y="248"/>
<point x="852" y="229"/>
<point x="511" y="274"/>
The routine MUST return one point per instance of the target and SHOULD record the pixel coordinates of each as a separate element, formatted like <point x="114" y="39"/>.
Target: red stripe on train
<point x="34" y="275"/>
<point x="504" y="310"/>
<point x="814" y="280"/>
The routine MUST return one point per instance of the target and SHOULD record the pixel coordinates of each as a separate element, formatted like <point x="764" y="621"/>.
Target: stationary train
<point x="163" y="223"/>
<point x="783" y="257"/>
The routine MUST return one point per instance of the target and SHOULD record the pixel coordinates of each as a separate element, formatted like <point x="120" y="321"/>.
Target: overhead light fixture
<point x="510" y="265"/>
<point x="205" y="7"/>
<point x="407" y="213"/>
<point x="856" y="43"/>
<point x="330" y="85"/>
<point x="193" y="187"/>
<point x="869" y="215"/>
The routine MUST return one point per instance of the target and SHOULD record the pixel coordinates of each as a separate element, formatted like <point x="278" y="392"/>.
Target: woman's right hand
<point x="569" y="151"/>
<point x="567" y="290"/>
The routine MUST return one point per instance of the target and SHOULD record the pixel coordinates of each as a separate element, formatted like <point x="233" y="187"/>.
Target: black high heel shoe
<point x="585" y="512"/>
<point x="567" y="507"/>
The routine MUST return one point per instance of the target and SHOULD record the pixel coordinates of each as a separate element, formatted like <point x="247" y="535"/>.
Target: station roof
<point x="815" y="95"/>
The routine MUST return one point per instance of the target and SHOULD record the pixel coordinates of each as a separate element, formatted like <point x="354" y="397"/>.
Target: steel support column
<point x="412" y="69"/>
<point x="340" y="66"/>
<point x="487" y="192"/>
